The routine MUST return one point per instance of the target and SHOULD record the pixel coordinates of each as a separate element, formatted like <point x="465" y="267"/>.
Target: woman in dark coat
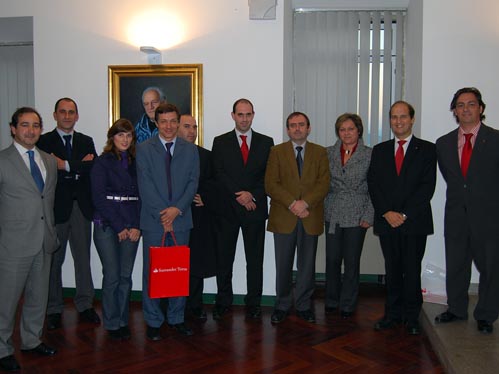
<point x="116" y="223"/>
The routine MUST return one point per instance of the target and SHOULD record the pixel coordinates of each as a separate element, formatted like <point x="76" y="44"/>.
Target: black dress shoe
<point x="219" y="311"/>
<point x="114" y="334"/>
<point x="484" y="326"/>
<point x="53" y="321"/>
<point x="182" y="329"/>
<point x="413" y="328"/>
<point x="199" y="313"/>
<point x="125" y="332"/>
<point x="278" y="316"/>
<point x="153" y="334"/>
<point x="89" y="315"/>
<point x="306" y="315"/>
<point x="345" y="314"/>
<point x="254" y="312"/>
<point x="9" y="363"/>
<point x="41" y="349"/>
<point x="447" y="317"/>
<point x="385" y="324"/>
<point x="330" y="310"/>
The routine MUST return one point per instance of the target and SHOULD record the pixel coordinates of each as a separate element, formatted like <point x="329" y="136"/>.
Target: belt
<point x="122" y="198"/>
<point x="98" y="221"/>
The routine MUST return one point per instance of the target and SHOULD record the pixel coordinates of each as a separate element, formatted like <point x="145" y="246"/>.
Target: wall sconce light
<point x="153" y="55"/>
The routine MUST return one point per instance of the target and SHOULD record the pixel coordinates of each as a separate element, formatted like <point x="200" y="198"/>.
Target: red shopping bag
<point x="169" y="270"/>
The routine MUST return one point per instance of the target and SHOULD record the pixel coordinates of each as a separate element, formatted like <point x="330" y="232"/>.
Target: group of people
<point x="53" y="185"/>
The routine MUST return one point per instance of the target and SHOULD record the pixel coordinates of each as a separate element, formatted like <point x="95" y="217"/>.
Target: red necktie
<point x="399" y="156"/>
<point x="466" y="154"/>
<point x="244" y="148"/>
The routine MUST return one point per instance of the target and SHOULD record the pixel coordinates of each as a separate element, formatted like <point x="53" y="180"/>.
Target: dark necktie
<point x="399" y="156"/>
<point x="244" y="148"/>
<point x="35" y="171"/>
<point x="67" y="142"/>
<point x="299" y="159"/>
<point x="466" y="154"/>
<point x="169" y="169"/>
<point x="124" y="159"/>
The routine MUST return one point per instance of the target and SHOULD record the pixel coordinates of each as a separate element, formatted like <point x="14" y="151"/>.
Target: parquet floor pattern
<point x="238" y="345"/>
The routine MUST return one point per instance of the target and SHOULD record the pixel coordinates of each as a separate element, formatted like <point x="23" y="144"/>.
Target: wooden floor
<point x="237" y="345"/>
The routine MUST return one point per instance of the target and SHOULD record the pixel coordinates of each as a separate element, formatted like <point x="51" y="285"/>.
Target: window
<point x="348" y="61"/>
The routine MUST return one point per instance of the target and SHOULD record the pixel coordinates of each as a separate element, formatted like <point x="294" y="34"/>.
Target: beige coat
<point x="284" y="186"/>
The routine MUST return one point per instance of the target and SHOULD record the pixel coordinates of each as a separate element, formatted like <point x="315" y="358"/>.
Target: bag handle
<point x="164" y="238"/>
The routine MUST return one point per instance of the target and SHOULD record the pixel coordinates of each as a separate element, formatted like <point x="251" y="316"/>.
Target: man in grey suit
<point x="168" y="174"/>
<point x="28" y="237"/>
<point x="468" y="158"/>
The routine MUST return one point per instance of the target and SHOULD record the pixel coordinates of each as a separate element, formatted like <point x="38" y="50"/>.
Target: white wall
<point x="413" y="58"/>
<point x="75" y="41"/>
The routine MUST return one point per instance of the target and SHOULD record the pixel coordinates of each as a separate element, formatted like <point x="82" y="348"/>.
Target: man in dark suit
<point x="74" y="153"/>
<point x="401" y="180"/>
<point x="202" y="240"/>
<point x="239" y="159"/>
<point x="28" y="179"/>
<point x="468" y="158"/>
<point x="297" y="181"/>
<point x="168" y="174"/>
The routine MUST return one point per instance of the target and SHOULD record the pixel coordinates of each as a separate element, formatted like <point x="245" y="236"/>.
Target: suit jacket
<point x="283" y="185"/>
<point x="473" y="202"/>
<point x="348" y="201"/>
<point x="153" y="186"/>
<point x="232" y="175"/>
<point x="109" y="178"/>
<point x="26" y="216"/>
<point x="202" y="241"/>
<point x="74" y="185"/>
<point x="410" y="192"/>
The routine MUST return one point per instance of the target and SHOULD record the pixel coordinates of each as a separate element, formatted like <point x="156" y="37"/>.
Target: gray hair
<point x="160" y="92"/>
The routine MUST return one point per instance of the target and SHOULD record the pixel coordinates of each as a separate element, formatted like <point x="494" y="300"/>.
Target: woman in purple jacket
<point x="116" y="223"/>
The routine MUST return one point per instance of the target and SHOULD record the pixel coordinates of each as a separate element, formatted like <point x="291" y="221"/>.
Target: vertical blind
<point x="348" y="61"/>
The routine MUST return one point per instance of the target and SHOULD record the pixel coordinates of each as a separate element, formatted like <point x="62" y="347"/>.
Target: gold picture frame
<point x="182" y="85"/>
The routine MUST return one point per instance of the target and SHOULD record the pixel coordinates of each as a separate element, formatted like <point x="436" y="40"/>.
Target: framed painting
<point x="180" y="84"/>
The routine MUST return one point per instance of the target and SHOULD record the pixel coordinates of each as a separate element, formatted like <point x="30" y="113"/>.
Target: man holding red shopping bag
<point x="168" y="173"/>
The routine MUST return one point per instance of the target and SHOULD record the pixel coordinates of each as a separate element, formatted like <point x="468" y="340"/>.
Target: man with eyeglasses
<point x="468" y="158"/>
<point x="168" y="174"/>
<point x="146" y="127"/>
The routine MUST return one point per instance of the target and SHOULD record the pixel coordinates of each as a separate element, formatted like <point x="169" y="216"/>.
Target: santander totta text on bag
<point x="169" y="270"/>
